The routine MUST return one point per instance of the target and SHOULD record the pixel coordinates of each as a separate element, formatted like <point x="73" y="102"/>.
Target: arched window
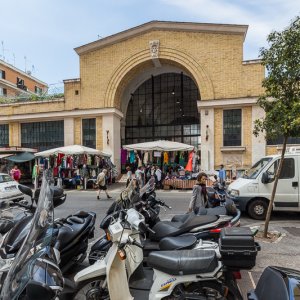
<point x="164" y="107"/>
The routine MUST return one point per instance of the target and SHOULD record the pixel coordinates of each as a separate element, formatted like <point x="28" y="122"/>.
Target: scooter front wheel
<point x="92" y="289"/>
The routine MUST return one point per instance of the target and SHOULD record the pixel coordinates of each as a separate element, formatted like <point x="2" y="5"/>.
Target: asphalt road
<point x="278" y="253"/>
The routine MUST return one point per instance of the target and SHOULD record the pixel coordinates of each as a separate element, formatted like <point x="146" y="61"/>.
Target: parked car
<point x="9" y="188"/>
<point x="252" y="192"/>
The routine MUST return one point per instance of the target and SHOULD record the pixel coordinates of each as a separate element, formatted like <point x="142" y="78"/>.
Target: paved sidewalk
<point x="285" y="252"/>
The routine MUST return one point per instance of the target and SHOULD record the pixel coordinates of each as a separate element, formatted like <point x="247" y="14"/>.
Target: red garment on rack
<point x="59" y="158"/>
<point x="189" y="166"/>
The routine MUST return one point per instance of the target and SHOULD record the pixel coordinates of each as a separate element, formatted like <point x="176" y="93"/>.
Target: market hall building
<point x="178" y="81"/>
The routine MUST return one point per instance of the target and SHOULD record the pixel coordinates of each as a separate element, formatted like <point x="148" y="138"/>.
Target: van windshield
<point x="256" y="169"/>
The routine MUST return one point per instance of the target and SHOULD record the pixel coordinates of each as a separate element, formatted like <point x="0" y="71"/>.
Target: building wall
<point x="247" y="136"/>
<point x="272" y="150"/>
<point x="218" y="136"/>
<point x="99" y="134"/>
<point x="213" y="60"/>
<point x="77" y="131"/>
<point x="11" y="74"/>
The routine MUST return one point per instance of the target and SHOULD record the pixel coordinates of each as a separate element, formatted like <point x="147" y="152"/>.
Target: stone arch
<point x="135" y="64"/>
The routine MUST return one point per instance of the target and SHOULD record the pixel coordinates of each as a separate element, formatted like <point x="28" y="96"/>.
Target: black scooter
<point x="205" y="226"/>
<point x="71" y="234"/>
<point x="277" y="283"/>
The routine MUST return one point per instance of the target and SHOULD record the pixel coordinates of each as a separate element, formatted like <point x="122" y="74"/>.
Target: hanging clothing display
<point x="132" y="157"/>
<point x="181" y="158"/>
<point x="35" y="171"/>
<point x="166" y="158"/>
<point x="195" y="163"/>
<point x="123" y="156"/>
<point x="146" y="158"/>
<point x="189" y="166"/>
<point x="177" y="155"/>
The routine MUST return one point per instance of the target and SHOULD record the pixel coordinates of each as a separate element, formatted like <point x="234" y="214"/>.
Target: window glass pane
<point x="232" y="127"/>
<point x="42" y="135"/>
<point x="288" y="169"/>
<point x="165" y="105"/>
<point x="4" y="135"/>
<point x="89" y="133"/>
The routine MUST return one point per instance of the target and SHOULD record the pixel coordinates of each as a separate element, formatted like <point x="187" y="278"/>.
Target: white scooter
<point x="180" y="274"/>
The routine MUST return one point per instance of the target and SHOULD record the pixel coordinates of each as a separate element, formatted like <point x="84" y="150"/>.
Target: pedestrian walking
<point x="199" y="196"/>
<point x="222" y="175"/>
<point x="129" y="175"/>
<point x="158" y="176"/>
<point x="101" y="181"/>
<point x="15" y="173"/>
<point x="139" y="176"/>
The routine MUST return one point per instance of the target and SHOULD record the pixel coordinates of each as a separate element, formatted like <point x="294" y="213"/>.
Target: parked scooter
<point x="205" y="226"/>
<point x="277" y="283"/>
<point x="34" y="273"/>
<point x="72" y="235"/>
<point x="181" y="274"/>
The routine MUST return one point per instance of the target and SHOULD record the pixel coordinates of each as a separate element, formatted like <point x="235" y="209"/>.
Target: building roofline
<point x="162" y="25"/>
<point x="2" y="62"/>
<point x="72" y="80"/>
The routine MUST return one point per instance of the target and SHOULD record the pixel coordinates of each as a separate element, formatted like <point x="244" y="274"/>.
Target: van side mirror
<point x="265" y="178"/>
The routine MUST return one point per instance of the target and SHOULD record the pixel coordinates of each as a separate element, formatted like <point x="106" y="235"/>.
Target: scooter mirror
<point x="143" y="227"/>
<point x="25" y="190"/>
<point x="37" y="290"/>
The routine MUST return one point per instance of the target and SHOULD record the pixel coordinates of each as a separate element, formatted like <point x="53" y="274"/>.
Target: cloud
<point x="262" y="17"/>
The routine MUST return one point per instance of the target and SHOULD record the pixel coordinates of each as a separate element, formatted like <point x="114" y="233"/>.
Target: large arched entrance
<point x="164" y="107"/>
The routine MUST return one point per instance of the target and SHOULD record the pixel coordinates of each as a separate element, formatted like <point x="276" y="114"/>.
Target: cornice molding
<point x="62" y="114"/>
<point x="166" y="26"/>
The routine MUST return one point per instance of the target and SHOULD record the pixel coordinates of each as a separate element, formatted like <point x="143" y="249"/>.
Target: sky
<point x="40" y="36"/>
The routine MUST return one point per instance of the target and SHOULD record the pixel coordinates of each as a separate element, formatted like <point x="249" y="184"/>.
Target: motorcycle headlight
<point x="234" y="193"/>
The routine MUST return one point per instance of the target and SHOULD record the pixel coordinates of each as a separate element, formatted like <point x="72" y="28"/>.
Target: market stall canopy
<point x="5" y="155"/>
<point x="159" y="146"/>
<point x="21" y="157"/>
<point x="72" y="150"/>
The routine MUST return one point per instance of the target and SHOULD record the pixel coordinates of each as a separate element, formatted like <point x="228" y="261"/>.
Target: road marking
<point x="252" y="281"/>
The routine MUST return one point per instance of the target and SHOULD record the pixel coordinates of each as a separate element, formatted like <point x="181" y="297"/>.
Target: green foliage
<point x="281" y="101"/>
<point x="30" y="98"/>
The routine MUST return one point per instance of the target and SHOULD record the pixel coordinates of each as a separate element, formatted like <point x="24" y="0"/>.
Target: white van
<point x="253" y="191"/>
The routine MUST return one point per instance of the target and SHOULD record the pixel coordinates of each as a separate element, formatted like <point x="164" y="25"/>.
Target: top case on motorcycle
<point x="168" y="228"/>
<point x="271" y="285"/>
<point x="183" y="262"/>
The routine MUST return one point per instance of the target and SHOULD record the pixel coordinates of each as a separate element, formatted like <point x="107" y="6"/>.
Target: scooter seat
<point x="167" y="228"/>
<point x="75" y="219"/>
<point x="71" y="231"/>
<point x="178" y="243"/>
<point x="181" y="218"/>
<point x="183" y="262"/>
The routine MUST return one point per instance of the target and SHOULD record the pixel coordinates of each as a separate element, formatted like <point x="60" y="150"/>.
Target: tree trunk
<point x="268" y="216"/>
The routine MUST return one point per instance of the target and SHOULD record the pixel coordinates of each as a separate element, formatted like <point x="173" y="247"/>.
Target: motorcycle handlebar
<point x="134" y="242"/>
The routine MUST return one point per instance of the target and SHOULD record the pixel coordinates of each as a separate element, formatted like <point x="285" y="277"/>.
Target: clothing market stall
<point x="76" y="165"/>
<point x="179" y="162"/>
<point x="24" y="160"/>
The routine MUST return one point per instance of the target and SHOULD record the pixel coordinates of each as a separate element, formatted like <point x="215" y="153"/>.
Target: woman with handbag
<point x="199" y="196"/>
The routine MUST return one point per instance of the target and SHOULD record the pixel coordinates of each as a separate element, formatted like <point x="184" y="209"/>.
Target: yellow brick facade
<point x="212" y="55"/>
<point x="247" y="135"/>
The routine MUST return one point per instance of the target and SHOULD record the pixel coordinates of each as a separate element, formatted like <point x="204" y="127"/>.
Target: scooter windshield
<point x="37" y="240"/>
<point x="148" y="187"/>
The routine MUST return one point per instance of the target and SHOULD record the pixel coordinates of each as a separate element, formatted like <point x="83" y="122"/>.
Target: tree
<point x="281" y="100"/>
